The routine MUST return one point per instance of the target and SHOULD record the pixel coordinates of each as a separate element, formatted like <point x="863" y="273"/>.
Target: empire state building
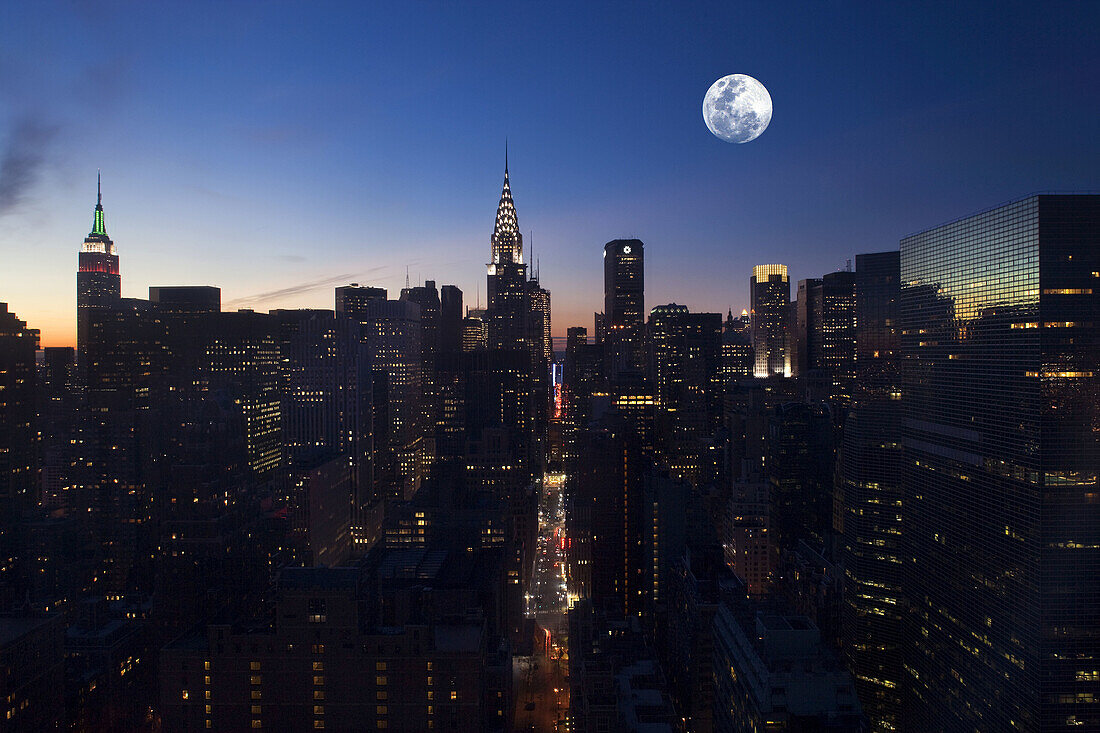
<point x="98" y="283"/>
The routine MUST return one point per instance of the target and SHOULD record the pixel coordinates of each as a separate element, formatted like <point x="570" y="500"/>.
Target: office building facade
<point x="999" y="345"/>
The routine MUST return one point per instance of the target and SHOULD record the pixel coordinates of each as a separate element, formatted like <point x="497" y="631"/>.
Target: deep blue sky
<point x="266" y="147"/>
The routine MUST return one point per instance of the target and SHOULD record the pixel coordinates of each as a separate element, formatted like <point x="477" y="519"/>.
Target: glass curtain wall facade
<point x="999" y="315"/>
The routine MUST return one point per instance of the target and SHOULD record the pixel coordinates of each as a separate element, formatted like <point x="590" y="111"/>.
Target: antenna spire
<point x="406" y="276"/>
<point x="99" y="228"/>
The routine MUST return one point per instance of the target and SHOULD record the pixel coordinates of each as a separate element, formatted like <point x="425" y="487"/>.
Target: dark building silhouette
<point x="772" y="672"/>
<point x="869" y="502"/>
<point x="450" y="319"/>
<point x="406" y="641"/>
<point x="20" y="448"/>
<point x="582" y="380"/>
<point x="684" y="371"/>
<point x="59" y="422"/>
<point x="735" y="358"/>
<point x="391" y="330"/>
<point x="624" y="309"/>
<point x="999" y="347"/>
<point x="799" y="469"/>
<point x="32" y="669"/>
<point x="824" y="335"/>
<point x="615" y="679"/>
<point x="187" y="298"/>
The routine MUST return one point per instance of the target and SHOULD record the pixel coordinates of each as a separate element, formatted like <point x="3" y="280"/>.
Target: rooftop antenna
<point x="406" y="276"/>
<point x="99" y="187"/>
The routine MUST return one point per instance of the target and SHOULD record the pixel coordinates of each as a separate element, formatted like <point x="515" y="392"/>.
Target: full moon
<point x="737" y="108"/>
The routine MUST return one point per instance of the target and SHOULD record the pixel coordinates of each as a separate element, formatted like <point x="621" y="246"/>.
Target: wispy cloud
<point x="306" y="287"/>
<point x="24" y="155"/>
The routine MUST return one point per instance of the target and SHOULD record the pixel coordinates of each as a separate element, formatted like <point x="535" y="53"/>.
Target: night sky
<point x="280" y="149"/>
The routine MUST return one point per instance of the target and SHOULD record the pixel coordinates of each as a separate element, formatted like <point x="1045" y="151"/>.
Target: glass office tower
<point x="999" y="315"/>
<point x="770" y="306"/>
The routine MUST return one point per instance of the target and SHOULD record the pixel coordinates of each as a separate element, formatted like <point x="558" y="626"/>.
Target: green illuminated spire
<point x="98" y="226"/>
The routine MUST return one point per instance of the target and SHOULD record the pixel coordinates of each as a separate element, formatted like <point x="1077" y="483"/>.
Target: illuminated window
<point x="318" y="694"/>
<point x="255" y="709"/>
<point x="186" y="695"/>
<point x="380" y="666"/>
<point x="380" y="710"/>
<point x="254" y="666"/>
<point x="318" y="680"/>
<point x="254" y="679"/>
<point x="257" y="724"/>
<point x="255" y="695"/>
<point x="380" y="680"/>
<point x="318" y="666"/>
<point x="454" y="695"/>
<point x="318" y="709"/>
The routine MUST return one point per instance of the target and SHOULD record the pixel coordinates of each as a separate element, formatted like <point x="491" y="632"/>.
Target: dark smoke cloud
<point x="24" y="156"/>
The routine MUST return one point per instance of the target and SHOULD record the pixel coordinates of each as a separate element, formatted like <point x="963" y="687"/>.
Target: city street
<point x="542" y="689"/>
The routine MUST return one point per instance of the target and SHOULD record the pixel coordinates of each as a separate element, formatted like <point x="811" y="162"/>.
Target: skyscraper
<point x="770" y="299"/>
<point x="624" y="308"/>
<point x="868" y="495"/>
<point x="98" y="283"/>
<point x="19" y="441"/>
<point x="806" y="336"/>
<point x="450" y="319"/>
<point x="1000" y="346"/>
<point x="824" y="334"/>
<point x="391" y="330"/>
<point x="685" y="376"/>
<point x="507" y="286"/>
<point x="540" y="319"/>
<point x="427" y="297"/>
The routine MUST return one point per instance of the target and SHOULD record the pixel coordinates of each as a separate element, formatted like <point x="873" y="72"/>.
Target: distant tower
<point x="770" y="294"/>
<point x="506" y="244"/>
<point x="624" y="307"/>
<point x="97" y="281"/>
<point x="507" y="311"/>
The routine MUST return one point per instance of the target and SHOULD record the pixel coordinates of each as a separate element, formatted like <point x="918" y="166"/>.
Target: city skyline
<point x="278" y="176"/>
